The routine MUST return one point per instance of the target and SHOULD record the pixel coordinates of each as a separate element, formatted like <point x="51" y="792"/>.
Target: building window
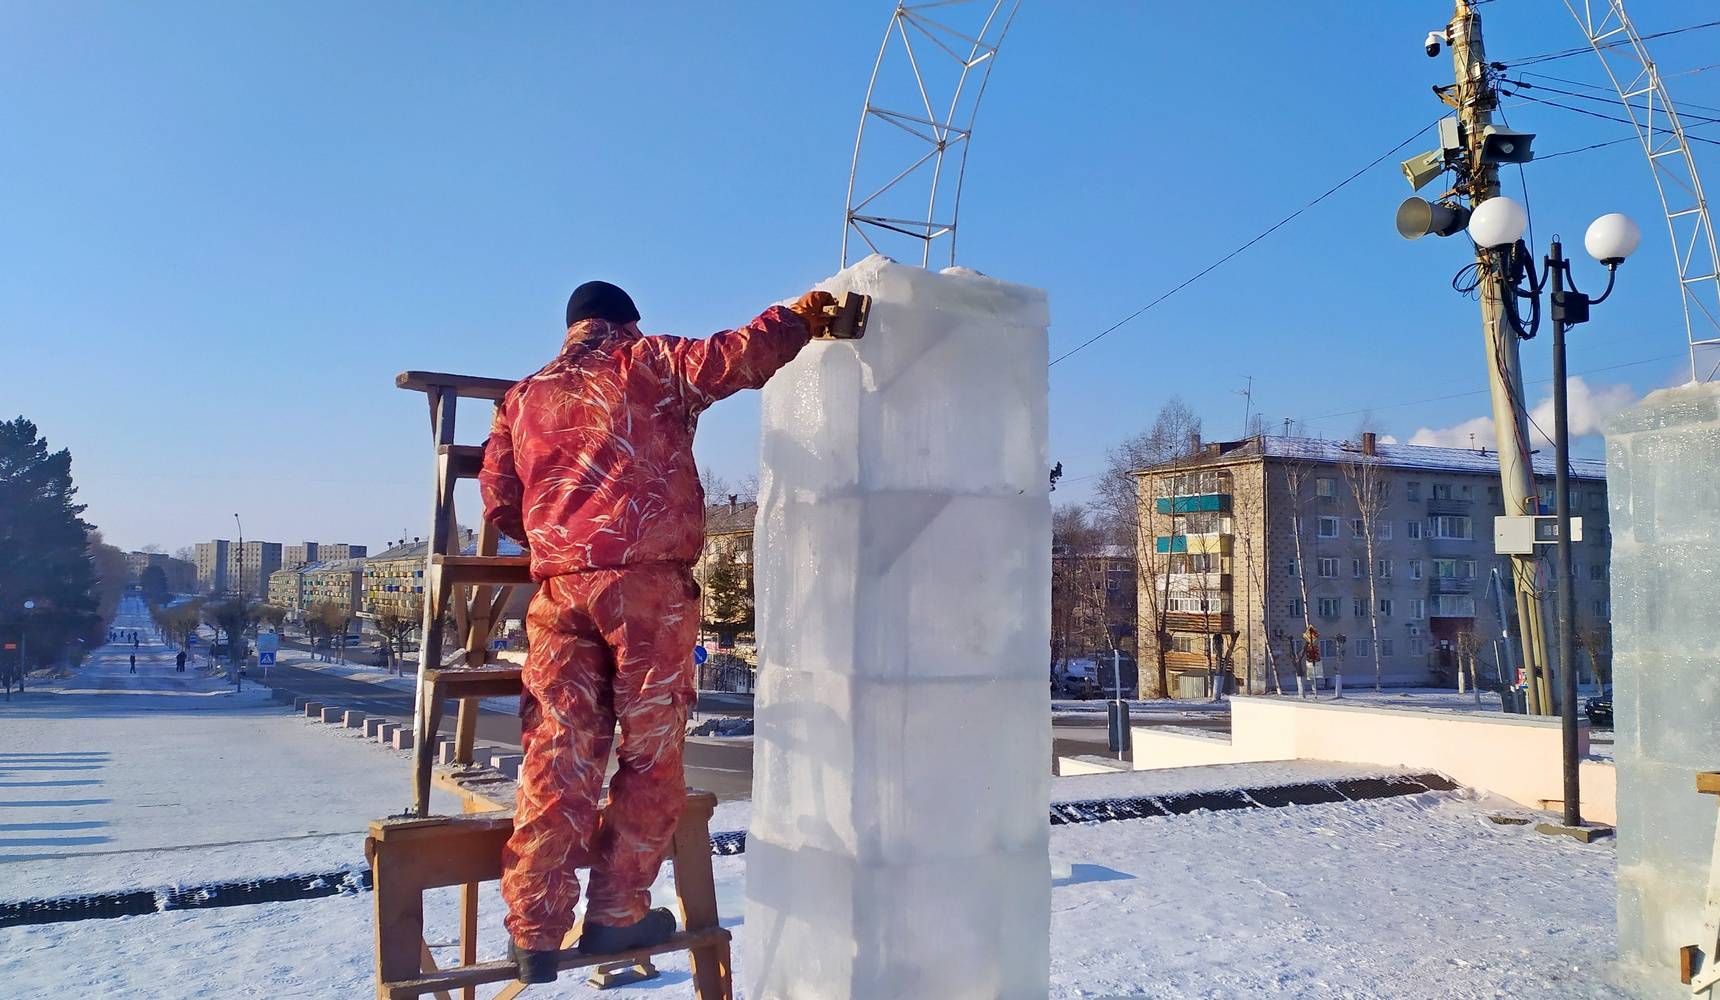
<point x="1415" y="569"/>
<point x="1454" y="606"/>
<point x="1385" y="647"/>
<point x="1328" y="527"/>
<point x="1385" y="569"/>
<point x="1414" y="533"/>
<point x="1328" y="607"/>
<point x="1597" y="501"/>
<point x="1293" y="567"/>
<point x="1453" y="526"/>
<point x="1325" y="487"/>
<point x="1356" y="608"/>
<point x="1296" y="606"/>
<point x="1329" y="648"/>
<point x="1597" y="571"/>
<point x="1412" y="491"/>
<point x="1328" y="567"/>
<point x="1386" y="607"/>
<point x="1364" y="647"/>
<point x="1356" y="568"/>
<point x="1493" y="496"/>
<point x="1356" y="527"/>
<point x="1418" y="608"/>
<point x="1418" y="647"/>
<point x="1601" y="608"/>
<point x="1442" y="491"/>
<point x="1383" y="531"/>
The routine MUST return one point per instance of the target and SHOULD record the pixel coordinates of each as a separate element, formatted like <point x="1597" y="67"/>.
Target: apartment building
<point x="225" y="567"/>
<point x="287" y="590"/>
<point x="181" y="575"/>
<point x="726" y="599"/>
<point x="1244" y="543"/>
<point x="211" y="559"/>
<point x="393" y="579"/>
<point x="305" y="553"/>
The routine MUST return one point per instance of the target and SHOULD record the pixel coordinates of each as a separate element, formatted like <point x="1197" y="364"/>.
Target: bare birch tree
<point x="1123" y="507"/>
<point x="1366" y="476"/>
<point x="1297" y="477"/>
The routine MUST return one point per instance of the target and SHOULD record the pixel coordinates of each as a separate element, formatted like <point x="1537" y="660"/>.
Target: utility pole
<point x="1474" y="99"/>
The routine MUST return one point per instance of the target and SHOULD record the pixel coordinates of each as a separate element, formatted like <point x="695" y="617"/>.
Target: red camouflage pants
<point x="606" y="646"/>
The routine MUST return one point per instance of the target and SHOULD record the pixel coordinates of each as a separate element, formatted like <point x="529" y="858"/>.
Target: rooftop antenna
<point x="1287" y="423"/>
<point x="1247" y="394"/>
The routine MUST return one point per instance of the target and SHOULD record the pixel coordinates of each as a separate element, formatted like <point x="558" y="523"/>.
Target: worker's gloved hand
<point x="811" y="308"/>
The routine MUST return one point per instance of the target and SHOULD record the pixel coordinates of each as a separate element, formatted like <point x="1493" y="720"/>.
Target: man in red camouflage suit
<point x="590" y="466"/>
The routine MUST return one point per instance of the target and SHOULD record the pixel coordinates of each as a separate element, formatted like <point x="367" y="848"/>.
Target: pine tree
<point x="44" y="548"/>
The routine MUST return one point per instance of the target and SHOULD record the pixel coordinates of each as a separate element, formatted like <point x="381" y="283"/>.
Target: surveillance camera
<point x="1434" y="38"/>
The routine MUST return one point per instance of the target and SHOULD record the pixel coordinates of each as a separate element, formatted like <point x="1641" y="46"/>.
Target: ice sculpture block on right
<point x="1663" y="481"/>
<point x="901" y="762"/>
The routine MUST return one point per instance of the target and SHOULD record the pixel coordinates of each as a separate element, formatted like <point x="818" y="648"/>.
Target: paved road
<point x="108" y="667"/>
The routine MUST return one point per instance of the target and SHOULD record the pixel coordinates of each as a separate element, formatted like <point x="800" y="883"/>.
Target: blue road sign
<point x="700" y="655"/>
<point x="266" y="658"/>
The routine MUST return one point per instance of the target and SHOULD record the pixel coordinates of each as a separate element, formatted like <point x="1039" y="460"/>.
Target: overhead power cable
<point x="1215" y="265"/>
<point x="1580" y="50"/>
<point x="1596" y="114"/>
<point x="1608" y="94"/>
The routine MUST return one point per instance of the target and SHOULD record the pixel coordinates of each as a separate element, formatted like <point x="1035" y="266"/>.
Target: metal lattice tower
<point x="1643" y="94"/>
<point x="926" y="86"/>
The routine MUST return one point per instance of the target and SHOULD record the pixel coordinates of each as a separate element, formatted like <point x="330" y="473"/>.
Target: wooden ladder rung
<point x="464" y="460"/>
<point x="476" y="570"/>
<point x="464" y="386"/>
<point x="1708" y="782"/>
<point x="474" y="682"/>
<point x="569" y="958"/>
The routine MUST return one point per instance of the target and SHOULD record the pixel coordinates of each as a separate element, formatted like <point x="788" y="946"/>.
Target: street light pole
<point x="1562" y="506"/>
<point x="1497" y="229"/>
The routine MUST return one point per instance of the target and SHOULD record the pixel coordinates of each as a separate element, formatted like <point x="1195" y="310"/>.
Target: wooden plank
<point x="398" y="908"/>
<point x="429" y="965"/>
<point x="455" y="857"/>
<point x="696" y="888"/>
<point x="443" y="405"/>
<point x="567" y="958"/>
<point x="475" y="682"/>
<point x="464" y="460"/>
<point x="464" y="386"/>
<point x="1708" y="782"/>
<point x="469" y="570"/>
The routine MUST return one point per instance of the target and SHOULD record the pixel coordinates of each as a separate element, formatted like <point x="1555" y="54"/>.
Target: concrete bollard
<point x="313" y="709"/>
<point x="507" y="763"/>
<point x="372" y="726"/>
<point x="402" y="738"/>
<point x="385" y="734"/>
<point x="299" y="703"/>
<point x="481" y="755"/>
<point x="332" y="716"/>
<point x="353" y="720"/>
<point x="445" y="752"/>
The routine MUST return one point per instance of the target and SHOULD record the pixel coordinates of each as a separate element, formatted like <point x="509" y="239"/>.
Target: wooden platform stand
<point x="1697" y="963"/>
<point x="411" y="853"/>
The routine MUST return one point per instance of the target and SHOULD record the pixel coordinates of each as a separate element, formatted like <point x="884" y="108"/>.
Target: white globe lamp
<point x="1497" y="222"/>
<point x="1611" y="238"/>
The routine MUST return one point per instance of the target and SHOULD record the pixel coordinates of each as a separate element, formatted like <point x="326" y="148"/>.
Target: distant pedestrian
<point x="179" y="662"/>
<point x="134" y="663"/>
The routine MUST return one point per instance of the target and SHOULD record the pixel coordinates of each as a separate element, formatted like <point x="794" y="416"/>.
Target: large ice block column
<point x="1663" y="481"/>
<point x="902" y="751"/>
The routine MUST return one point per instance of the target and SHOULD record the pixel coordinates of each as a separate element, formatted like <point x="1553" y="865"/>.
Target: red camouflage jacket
<point x="590" y="460"/>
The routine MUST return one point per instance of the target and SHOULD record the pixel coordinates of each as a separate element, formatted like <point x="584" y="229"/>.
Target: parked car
<point x="1600" y="710"/>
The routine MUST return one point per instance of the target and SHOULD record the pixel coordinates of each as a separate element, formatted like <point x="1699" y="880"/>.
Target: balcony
<point x="1453" y="585"/>
<point x="1436" y="505"/>
<point x="1214" y="544"/>
<point x="1182" y="584"/>
<point x="1208" y="503"/>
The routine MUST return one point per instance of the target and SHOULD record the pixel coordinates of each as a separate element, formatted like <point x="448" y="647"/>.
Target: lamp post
<point x="1497" y="226"/>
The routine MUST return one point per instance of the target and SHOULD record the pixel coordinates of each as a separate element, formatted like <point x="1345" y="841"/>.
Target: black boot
<point x="654" y="928"/>
<point x="535" y="966"/>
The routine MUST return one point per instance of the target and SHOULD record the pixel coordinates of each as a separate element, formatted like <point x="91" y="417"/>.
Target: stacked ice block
<point x="898" y="845"/>
<point x="1663" y="479"/>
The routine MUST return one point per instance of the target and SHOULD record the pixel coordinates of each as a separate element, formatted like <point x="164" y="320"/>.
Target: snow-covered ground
<point x="1417" y="896"/>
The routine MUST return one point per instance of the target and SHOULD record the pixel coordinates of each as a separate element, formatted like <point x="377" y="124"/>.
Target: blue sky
<point x="228" y="226"/>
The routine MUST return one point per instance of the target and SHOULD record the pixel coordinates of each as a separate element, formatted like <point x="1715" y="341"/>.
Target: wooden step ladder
<point x="417" y="851"/>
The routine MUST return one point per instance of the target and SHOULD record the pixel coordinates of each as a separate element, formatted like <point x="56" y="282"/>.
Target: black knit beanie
<point x="601" y="300"/>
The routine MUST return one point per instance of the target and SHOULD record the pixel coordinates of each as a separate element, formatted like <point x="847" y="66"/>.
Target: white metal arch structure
<point x="1643" y="93"/>
<point x="923" y="58"/>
